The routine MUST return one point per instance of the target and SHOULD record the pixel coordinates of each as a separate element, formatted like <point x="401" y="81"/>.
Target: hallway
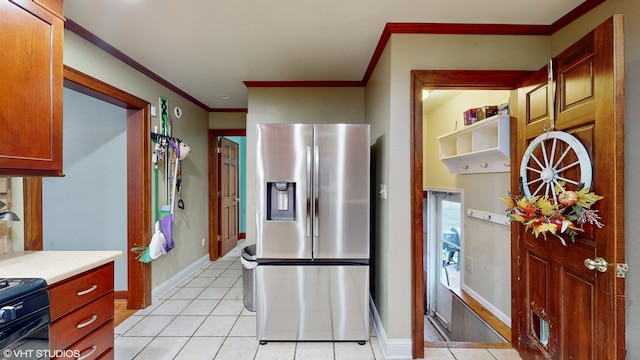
<point x="204" y="318"/>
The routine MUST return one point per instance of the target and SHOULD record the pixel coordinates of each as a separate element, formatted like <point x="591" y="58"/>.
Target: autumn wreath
<point x="565" y="213"/>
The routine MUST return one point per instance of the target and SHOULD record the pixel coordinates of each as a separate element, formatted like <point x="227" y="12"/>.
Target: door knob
<point x="598" y="264"/>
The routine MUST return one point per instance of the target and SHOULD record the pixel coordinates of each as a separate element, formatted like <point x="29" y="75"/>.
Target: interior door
<point x="229" y="196"/>
<point x="444" y="243"/>
<point x="563" y="310"/>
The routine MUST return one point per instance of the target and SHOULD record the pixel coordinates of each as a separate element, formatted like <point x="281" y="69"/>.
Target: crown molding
<point x="389" y="29"/>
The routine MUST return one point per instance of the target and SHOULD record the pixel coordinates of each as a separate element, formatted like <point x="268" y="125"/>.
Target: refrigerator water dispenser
<point x="281" y="201"/>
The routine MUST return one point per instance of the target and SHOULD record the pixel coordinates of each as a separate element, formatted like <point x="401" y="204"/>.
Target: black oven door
<point x="27" y="338"/>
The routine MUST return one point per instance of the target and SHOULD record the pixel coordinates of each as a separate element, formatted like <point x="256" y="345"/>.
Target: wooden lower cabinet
<point x="108" y="355"/>
<point x="82" y="315"/>
<point x="92" y="346"/>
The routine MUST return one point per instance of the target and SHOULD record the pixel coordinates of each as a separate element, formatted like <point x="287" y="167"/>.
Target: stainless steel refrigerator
<point x="312" y="245"/>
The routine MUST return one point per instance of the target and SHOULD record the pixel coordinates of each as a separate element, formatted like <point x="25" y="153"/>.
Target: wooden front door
<point x="229" y="195"/>
<point x="561" y="309"/>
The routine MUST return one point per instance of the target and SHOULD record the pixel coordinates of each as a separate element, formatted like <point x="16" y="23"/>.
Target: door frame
<point x="214" y="210"/>
<point x="138" y="183"/>
<point x="438" y="79"/>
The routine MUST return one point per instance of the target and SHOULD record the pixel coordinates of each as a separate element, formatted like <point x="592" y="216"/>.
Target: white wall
<point x="227" y="120"/>
<point x="488" y="244"/>
<point x="84" y="209"/>
<point x="377" y="113"/>
<point x="191" y="224"/>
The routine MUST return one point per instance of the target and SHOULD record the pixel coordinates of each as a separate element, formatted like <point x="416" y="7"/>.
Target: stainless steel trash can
<point x="248" y="259"/>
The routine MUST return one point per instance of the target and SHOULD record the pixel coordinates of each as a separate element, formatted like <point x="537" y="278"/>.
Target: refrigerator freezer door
<point x="342" y="208"/>
<point x="283" y="174"/>
<point x="312" y="303"/>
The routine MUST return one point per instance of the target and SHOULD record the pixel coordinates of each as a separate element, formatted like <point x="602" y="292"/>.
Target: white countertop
<point x="53" y="266"/>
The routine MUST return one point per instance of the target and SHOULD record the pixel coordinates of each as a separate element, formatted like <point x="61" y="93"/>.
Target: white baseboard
<point x="176" y="279"/>
<point x="391" y="348"/>
<point x="494" y="310"/>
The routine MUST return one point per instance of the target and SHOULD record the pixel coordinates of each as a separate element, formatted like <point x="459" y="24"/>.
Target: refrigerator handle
<point x="309" y="184"/>
<point x="316" y="171"/>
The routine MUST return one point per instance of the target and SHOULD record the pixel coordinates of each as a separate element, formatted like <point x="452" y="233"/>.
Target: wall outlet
<point x="468" y="264"/>
<point x="203" y="242"/>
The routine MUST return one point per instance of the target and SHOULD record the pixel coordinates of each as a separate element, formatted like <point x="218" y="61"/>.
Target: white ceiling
<point x="207" y="48"/>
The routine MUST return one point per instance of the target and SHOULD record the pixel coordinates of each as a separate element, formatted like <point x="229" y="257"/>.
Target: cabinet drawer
<point x="71" y="328"/>
<point x="93" y="345"/>
<point x="80" y="290"/>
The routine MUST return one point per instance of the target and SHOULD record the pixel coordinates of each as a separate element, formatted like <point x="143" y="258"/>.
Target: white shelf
<point x="478" y="148"/>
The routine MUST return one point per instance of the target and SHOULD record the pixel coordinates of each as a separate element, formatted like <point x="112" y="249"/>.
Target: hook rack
<point x="488" y="216"/>
<point x="158" y="137"/>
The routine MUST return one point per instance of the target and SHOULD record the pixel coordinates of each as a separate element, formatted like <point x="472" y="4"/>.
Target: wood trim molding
<point x="88" y="85"/>
<point x="32" y="189"/>
<point x="388" y="30"/>
<point x="473" y="29"/>
<point x="214" y="252"/>
<point x="459" y="79"/>
<point x="417" y="226"/>
<point x="120" y="295"/>
<point x="466" y="345"/>
<point x="106" y="47"/>
<point x="443" y="79"/>
<point x="304" y="83"/>
<point x="582" y="9"/>
<point x="229" y="110"/>
<point x="138" y="177"/>
<point x="500" y="327"/>
<point x="466" y="29"/>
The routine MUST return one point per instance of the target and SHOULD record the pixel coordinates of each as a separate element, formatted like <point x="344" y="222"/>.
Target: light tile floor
<point x="204" y="318"/>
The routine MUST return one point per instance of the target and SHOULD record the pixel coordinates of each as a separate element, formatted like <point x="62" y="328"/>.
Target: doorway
<point x="225" y="199"/>
<point x="138" y="166"/>
<point x="95" y="154"/>
<point x="444" y="79"/>
<point x="586" y="93"/>
<point x="443" y="245"/>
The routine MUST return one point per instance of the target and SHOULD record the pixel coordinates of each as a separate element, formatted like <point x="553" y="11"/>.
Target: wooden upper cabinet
<point x="31" y="86"/>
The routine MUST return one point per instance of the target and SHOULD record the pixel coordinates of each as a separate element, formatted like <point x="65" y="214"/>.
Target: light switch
<point x="383" y="191"/>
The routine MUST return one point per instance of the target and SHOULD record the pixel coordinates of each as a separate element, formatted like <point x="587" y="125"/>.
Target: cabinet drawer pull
<point x="88" y="322"/>
<point x="93" y="349"/>
<point x="85" y="292"/>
